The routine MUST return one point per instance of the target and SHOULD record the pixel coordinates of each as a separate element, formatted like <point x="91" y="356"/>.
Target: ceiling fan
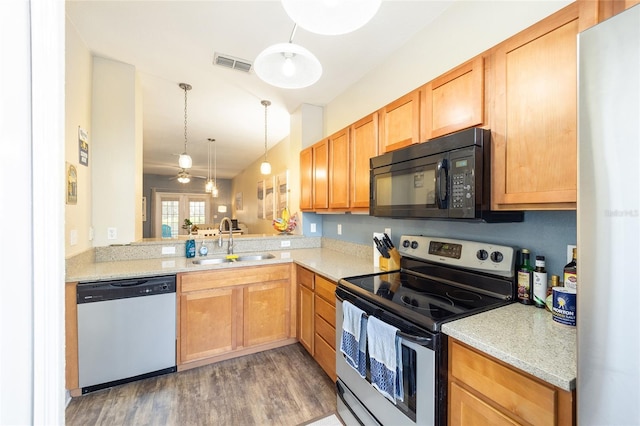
<point x="183" y="176"/>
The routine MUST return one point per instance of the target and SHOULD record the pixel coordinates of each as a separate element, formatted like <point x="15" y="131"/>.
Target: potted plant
<point x="187" y="225"/>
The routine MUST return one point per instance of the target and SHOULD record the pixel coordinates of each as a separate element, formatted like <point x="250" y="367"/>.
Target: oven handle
<point x="418" y="340"/>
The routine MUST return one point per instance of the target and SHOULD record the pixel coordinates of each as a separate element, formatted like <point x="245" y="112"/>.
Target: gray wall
<point x="545" y="233"/>
<point x="163" y="183"/>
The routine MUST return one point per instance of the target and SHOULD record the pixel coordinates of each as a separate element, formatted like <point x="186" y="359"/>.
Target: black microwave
<point x="444" y="178"/>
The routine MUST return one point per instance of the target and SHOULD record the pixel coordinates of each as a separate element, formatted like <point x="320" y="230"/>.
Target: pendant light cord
<point x="293" y="32"/>
<point x="266" y="104"/>
<point x="185" y="119"/>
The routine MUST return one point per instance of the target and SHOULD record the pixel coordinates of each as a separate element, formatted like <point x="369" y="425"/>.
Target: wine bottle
<point x="525" y="279"/>
<point x="539" y="283"/>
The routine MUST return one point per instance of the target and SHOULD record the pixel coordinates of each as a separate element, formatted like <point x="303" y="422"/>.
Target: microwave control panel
<point x="462" y="183"/>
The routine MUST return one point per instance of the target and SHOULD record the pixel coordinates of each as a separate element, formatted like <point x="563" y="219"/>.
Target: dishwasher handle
<point x="128" y="283"/>
<point x="101" y="291"/>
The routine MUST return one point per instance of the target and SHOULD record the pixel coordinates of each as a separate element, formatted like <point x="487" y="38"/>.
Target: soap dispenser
<point x="203" y="249"/>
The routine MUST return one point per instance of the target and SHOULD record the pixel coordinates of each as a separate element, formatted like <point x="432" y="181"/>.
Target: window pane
<point x="170" y="218"/>
<point x="197" y="212"/>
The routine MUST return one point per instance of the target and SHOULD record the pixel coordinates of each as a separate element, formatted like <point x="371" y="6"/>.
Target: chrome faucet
<point x="230" y="242"/>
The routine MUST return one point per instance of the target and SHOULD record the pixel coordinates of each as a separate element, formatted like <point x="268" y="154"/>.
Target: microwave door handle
<point x="441" y="199"/>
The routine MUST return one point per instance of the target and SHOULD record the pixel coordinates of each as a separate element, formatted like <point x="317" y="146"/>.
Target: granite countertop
<point x="330" y="263"/>
<point x="526" y="338"/>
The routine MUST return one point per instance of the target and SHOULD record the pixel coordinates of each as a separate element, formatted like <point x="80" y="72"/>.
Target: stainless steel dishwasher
<point x="126" y="330"/>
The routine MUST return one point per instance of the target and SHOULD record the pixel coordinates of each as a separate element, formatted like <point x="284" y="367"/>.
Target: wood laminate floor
<point x="283" y="386"/>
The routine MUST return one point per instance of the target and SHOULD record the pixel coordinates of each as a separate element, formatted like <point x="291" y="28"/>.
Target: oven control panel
<point x="485" y="257"/>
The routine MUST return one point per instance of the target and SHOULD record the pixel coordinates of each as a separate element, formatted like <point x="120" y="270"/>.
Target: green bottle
<point x="525" y="279"/>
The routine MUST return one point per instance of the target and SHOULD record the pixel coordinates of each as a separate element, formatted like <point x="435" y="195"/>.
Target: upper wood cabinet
<point x="534" y="153"/>
<point x="400" y="122"/>
<point x="306" y="179"/>
<point x="320" y="175"/>
<point x="339" y="168"/>
<point x="364" y="145"/>
<point x="454" y="101"/>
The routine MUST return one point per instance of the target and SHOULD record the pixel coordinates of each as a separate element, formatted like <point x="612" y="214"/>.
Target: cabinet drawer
<point x="518" y="394"/>
<point x="325" y="310"/>
<point x="305" y="277"/>
<point x="326" y="289"/>
<point x="326" y="331"/>
<point x="325" y="355"/>
<point x="467" y="409"/>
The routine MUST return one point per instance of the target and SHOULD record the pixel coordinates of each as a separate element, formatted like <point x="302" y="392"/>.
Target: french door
<point x="171" y="209"/>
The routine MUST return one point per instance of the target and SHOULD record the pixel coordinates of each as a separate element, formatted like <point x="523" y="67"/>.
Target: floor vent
<point x="229" y="61"/>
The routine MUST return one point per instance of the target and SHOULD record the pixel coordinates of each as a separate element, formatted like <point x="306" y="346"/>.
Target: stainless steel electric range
<point x="439" y="280"/>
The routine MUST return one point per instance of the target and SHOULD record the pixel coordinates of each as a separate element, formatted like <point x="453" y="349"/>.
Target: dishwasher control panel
<point x="100" y="291"/>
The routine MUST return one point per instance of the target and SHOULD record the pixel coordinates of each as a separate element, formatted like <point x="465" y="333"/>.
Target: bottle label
<point x="524" y="286"/>
<point x="539" y="288"/>
<point x="571" y="280"/>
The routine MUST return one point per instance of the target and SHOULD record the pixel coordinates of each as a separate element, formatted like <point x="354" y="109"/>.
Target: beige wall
<point x="282" y="157"/>
<point x="78" y="114"/>
<point x="460" y="33"/>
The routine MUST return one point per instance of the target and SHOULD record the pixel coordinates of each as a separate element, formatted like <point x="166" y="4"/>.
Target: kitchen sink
<point x="226" y="259"/>
<point x="211" y="260"/>
<point x="261" y="256"/>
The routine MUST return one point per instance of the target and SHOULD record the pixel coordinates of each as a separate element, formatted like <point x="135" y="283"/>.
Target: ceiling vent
<point x="229" y="61"/>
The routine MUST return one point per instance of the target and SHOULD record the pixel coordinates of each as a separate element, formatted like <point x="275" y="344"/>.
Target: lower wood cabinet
<point x="232" y="312"/>
<point x="317" y="318"/>
<point x="486" y="391"/>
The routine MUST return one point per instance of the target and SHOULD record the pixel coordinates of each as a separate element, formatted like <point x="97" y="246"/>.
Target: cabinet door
<point x="364" y="145"/>
<point x="467" y="409"/>
<point x="534" y="155"/>
<point x="208" y="323"/>
<point x="400" y="122"/>
<point x="455" y="100"/>
<point x="339" y="167"/>
<point x="321" y="175"/>
<point x="305" y="318"/>
<point x="306" y="179"/>
<point x="266" y="312"/>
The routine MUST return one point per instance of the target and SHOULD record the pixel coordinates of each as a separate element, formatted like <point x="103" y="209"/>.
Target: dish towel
<point x="354" y="337"/>
<point x="385" y="359"/>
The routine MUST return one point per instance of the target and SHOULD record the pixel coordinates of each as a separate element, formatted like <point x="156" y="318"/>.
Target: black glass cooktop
<point x="426" y="301"/>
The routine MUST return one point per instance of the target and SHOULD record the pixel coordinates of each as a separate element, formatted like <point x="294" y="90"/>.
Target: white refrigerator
<point x="608" y="295"/>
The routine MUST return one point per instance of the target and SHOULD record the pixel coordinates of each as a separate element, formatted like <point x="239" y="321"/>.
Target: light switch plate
<point x="169" y="250"/>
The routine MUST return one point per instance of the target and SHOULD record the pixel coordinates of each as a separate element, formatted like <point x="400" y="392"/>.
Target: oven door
<point x="414" y="188"/>
<point x="425" y="393"/>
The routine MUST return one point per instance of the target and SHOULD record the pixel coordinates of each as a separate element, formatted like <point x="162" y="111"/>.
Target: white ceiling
<point x="174" y="41"/>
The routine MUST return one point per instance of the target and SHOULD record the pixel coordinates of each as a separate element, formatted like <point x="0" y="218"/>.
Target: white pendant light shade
<point x="184" y="161"/>
<point x="265" y="168"/>
<point x="331" y="17"/>
<point x="288" y="66"/>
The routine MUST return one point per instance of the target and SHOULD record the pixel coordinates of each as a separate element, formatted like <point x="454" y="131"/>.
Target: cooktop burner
<point x="430" y="291"/>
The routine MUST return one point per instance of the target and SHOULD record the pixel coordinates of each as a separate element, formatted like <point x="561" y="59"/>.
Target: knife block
<point x="389" y="264"/>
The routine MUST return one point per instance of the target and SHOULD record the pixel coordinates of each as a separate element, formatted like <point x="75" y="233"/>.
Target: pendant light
<point x="288" y="65"/>
<point x="210" y="182"/>
<point x="331" y="17"/>
<point x="185" y="161"/>
<point x="265" y="167"/>
<point x="214" y="187"/>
